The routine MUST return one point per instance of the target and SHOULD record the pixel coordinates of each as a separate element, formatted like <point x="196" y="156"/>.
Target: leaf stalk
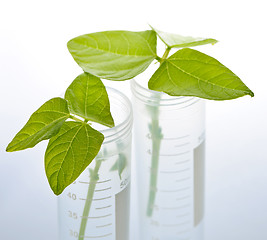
<point x="165" y="55"/>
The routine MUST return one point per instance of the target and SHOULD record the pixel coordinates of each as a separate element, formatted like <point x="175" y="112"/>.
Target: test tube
<point x="96" y="205"/>
<point x="169" y="146"/>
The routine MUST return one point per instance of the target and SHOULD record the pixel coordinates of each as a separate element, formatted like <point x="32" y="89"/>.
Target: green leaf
<point x="120" y="164"/>
<point x="191" y="73"/>
<point x="88" y="98"/>
<point x="178" y="41"/>
<point x="42" y="125"/>
<point x="114" y="55"/>
<point x="69" y="153"/>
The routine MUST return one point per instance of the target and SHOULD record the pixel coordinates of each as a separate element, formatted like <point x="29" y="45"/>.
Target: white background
<point x="35" y="66"/>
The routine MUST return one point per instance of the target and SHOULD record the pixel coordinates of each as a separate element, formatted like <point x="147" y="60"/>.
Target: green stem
<point x="165" y="55"/>
<point x="156" y="137"/>
<point x="158" y="58"/>
<point x="91" y="189"/>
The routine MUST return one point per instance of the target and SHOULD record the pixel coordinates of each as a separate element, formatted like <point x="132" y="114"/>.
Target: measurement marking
<point x="183" y="170"/>
<point x="183" y="215"/>
<point x="103" y="207"/>
<point x="102" y="236"/>
<point x="181" y="145"/>
<point x="95" y="182"/>
<point x="183" y="232"/>
<point x="108" y="215"/>
<point x="175" y="190"/>
<point x="106" y="225"/>
<point x="96" y="199"/>
<point x="99" y="199"/>
<point x="84" y="182"/>
<point x="175" y="225"/>
<point x="175" y="154"/>
<point x="108" y="180"/>
<point x="185" y="161"/>
<point x="176" y="137"/>
<point x="104" y="189"/>
<point x="182" y="198"/>
<point x="183" y="179"/>
<point x="179" y="207"/>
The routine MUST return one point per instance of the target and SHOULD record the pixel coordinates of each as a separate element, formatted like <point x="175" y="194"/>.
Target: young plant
<point x="118" y="56"/>
<point x="122" y="55"/>
<point x="73" y="142"/>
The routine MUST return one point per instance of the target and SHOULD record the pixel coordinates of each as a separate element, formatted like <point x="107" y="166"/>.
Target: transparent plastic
<point x="96" y="205"/>
<point x="169" y="134"/>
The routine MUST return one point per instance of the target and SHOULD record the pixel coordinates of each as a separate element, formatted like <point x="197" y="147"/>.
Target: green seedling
<point x="118" y="56"/>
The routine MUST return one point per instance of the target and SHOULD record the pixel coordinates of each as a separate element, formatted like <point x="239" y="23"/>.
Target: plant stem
<point x="158" y="58"/>
<point x="156" y="137"/>
<point x="91" y="189"/>
<point x="165" y="55"/>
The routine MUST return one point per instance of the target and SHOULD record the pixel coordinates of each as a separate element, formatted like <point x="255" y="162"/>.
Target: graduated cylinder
<point x="169" y="139"/>
<point x="96" y="205"/>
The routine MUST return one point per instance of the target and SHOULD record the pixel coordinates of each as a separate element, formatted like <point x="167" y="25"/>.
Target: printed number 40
<point x="72" y="196"/>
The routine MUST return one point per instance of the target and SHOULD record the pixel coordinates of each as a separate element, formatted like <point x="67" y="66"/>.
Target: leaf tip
<point x="57" y="190"/>
<point x="251" y="93"/>
<point x="11" y="147"/>
<point x="214" y="41"/>
<point x="112" y="123"/>
<point x="150" y="26"/>
<point x="57" y="193"/>
<point x="8" y="149"/>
